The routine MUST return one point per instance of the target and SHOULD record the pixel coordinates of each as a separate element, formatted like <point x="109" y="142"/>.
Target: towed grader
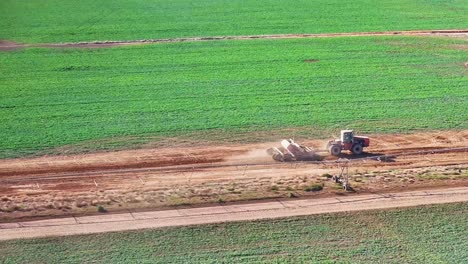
<point x="292" y="151"/>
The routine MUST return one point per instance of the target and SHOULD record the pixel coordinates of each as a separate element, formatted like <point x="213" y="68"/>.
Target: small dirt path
<point x="227" y="213"/>
<point x="6" y="45"/>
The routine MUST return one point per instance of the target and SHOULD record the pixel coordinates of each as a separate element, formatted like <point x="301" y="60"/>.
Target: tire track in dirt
<point x="6" y="45"/>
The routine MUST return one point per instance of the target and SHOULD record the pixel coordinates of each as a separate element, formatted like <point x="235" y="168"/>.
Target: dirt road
<point x="6" y="45"/>
<point x="164" y="177"/>
<point x="232" y="154"/>
<point x="216" y="214"/>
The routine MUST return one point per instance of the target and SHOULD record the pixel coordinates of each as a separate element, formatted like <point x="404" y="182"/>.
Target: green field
<point x="431" y="234"/>
<point x="57" y="97"/>
<point x="87" y="20"/>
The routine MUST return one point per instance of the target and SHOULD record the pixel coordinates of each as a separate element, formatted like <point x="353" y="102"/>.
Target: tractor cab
<point x="347" y="136"/>
<point x="348" y="141"/>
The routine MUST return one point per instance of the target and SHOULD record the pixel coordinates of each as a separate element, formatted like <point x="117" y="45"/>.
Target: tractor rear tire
<point x="356" y="149"/>
<point x="335" y="150"/>
<point x="287" y="158"/>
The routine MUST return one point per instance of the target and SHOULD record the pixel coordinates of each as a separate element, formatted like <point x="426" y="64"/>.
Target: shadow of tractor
<point x="368" y="156"/>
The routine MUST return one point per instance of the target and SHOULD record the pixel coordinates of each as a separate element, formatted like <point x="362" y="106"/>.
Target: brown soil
<point x="6" y="45"/>
<point x="311" y="60"/>
<point x="155" y="178"/>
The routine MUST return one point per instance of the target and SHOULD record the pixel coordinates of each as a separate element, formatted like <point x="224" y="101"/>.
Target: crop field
<point x="57" y="97"/>
<point x="88" y="20"/>
<point x="202" y="89"/>
<point x="431" y="234"/>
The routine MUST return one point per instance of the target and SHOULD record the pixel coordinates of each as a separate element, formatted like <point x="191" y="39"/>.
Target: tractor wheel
<point x="287" y="158"/>
<point x="335" y="150"/>
<point x="278" y="157"/>
<point x="356" y="149"/>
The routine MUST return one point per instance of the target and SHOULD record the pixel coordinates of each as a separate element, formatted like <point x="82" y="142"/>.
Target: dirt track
<point x="233" y="155"/>
<point x="216" y="214"/>
<point x="154" y="178"/>
<point x="6" y="45"/>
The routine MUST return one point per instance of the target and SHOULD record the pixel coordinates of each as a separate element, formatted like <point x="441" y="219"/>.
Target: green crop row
<point x="46" y="21"/>
<point x="431" y="234"/>
<point x="56" y="97"/>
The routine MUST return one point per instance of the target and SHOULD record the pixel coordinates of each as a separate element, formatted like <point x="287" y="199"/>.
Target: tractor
<point x="348" y="141"/>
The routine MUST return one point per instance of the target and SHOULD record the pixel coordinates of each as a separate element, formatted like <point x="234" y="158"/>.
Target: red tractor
<point x="348" y="141"/>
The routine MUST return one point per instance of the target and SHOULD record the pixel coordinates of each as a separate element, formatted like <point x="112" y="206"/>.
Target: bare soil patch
<point x="6" y="45"/>
<point x="178" y="176"/>
<point x="457" y="33"/>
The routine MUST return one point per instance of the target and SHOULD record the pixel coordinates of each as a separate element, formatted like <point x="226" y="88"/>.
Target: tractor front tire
<point x="356" y="149"/>
<point x="335" y="150"/>
<point x="277" y="157"/>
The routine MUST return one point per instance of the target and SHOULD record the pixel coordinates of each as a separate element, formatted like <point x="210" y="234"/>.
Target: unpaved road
<point x="217" y="214"/>
<point x="6" y="45"/>
<point x="233" y="154"/>
<point x="158" y="178"/>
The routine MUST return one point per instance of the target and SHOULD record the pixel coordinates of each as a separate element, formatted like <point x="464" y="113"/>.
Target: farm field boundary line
<point x="112" y="172"/>
<point x="8" y="45"/>
<point x="226" y="213"/>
